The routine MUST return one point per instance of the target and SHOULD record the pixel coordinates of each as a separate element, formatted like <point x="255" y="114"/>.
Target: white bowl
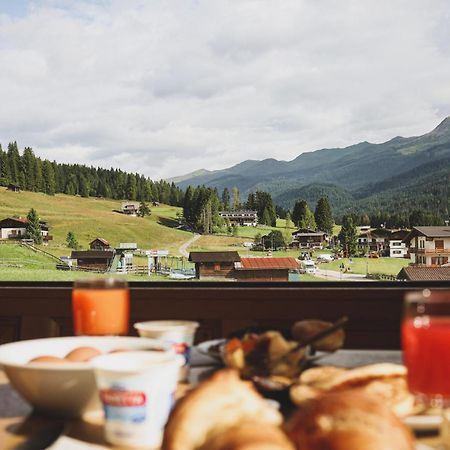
<point x="69" y="389"/>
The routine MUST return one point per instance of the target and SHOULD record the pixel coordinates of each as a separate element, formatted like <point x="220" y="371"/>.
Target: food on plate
<point x="218" y="409"/>
<point x="347" y="420"/>
<point x="47" y="359"/>
<point x="264" y="354"/>
<point x="306" y="329"/>
<point x="385" y="381"/>
<point x="82" y="354"/>
<point x="78" y="354"/>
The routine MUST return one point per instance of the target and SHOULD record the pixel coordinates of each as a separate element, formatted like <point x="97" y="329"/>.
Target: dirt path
<point x="338" y="276"/>
<point x="183" y="248"/>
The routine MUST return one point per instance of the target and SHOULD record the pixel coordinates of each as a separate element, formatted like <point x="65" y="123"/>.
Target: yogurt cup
<point x="137" y="390"/>
<point x="179" y="333"/>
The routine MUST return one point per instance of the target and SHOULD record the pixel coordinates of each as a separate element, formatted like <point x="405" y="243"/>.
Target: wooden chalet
<point x="214" y="264"/>
<point x="99" y="244"/>
<point x="13" y="187"/>
<point x="130" y="208"/>
<point x="240" y="218"/>
<point x="429" y="246"/>
<point x="265" y="269"/>
<point x="376" y="241"/>
<point x="93" y="259"/>
<point x="306" y="238"/>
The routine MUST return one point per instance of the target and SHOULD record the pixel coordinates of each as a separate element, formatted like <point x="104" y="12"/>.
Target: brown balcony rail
<point x="32" y="310"/>
<point x="431" y="250"/>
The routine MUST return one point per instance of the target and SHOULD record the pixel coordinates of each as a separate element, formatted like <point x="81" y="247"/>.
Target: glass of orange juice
<point x="101" y="306"/>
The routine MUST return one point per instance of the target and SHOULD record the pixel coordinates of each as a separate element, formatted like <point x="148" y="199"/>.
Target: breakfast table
<point x="21" y="429"/>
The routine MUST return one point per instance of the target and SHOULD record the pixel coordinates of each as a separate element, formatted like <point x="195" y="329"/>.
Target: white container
<point x="179" y="333"/>
<point x="62" y="390"/>
<point x="137" y="390"/>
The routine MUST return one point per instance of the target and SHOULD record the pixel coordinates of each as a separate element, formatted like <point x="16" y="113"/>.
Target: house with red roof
<point x="265" y="268"/>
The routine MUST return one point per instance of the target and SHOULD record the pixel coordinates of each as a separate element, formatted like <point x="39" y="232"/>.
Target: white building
<point x="398" y="248"/>
<point x="16" y="228"/>
<point x="429" y="246"/>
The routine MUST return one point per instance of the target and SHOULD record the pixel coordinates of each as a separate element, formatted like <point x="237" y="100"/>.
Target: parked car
<point x="308" y="266"/>
<point x="325" y="257"/>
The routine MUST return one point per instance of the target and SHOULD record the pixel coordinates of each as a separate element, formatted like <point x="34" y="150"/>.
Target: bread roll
<point x="213" y="408"/>
<point x="347" y="420"/>
<point x="385" y="381"/>
<point x="249" y="436"/>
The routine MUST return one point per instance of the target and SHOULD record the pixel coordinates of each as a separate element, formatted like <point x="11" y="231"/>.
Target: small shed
<point x="214" y="264"/>
<point x="265" y="269"/>
<point x="130" y="208"/>
<point x="13" y="187"/>
<point x="93" y="259"/>
<point x="99" y="244"/>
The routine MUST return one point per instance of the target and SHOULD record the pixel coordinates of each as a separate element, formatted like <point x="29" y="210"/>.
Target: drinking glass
<point x="101" y="307"/>
<point x="426" y="351"/>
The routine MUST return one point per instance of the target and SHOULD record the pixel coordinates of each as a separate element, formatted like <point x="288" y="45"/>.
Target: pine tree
<point x="33" y="227"/>
<point x="287" y="233"/>
<point x="14" y="162"/>
<point x="39" y="179"/>
<point x="348" y="236"/>
<point x="263" y="202"/>
<point x="131" y="187"/>
<point x="265" y="219"/>
<point x="28" y="165"/>
<point x="226" y="199"/>
<point x="303" y="217"/>
<point x="71" y="240"/>
<point x="143" y="210"/>
<point x="83" y="186"/>
<point x="236" y="201"/>
<point x="324" y="216"/>
<point x="4" y="168"/>
<point x="49" y="178"/>
<point x="251" y="202"/>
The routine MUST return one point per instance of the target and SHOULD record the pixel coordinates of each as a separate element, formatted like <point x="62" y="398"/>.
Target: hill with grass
<point x="91" y="217"/>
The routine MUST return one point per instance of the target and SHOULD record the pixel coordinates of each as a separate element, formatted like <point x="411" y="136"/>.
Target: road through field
<point x="183" y="248"/>
<point x="338" y="276"/>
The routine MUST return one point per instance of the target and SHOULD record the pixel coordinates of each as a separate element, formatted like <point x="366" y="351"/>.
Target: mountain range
<point x="398" y="174"/>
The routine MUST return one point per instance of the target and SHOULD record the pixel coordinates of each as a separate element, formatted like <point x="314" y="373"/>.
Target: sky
<point x="164" y="88"/>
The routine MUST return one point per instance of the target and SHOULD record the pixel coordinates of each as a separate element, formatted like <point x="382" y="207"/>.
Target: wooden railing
<point x="29" y="310"/>
<point x="433" y="250"/>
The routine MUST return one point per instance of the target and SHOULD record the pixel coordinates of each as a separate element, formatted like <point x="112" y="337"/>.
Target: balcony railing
<point x="432" y="251"/>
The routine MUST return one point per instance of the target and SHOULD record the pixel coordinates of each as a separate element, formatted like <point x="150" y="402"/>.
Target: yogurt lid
<point x="165" y="324"/>
<point x="135" y="362"/>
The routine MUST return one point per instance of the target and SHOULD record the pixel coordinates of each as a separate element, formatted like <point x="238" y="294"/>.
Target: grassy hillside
<point x="89" y="218"/>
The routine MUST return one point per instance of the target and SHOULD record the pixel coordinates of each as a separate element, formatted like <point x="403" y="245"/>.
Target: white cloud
<point x="164" y="88"/>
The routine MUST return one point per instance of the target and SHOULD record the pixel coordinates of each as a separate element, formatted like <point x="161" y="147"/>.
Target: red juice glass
<point x="426" y="349"/>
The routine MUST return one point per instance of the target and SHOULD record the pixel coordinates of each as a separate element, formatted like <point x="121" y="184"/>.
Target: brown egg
<point x="47" y="359"/>
<point x="119" y="350"/>
<point x="82" y="354"/>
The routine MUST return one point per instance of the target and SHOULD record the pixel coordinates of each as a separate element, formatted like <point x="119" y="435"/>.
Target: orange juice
<point x="100" y="311"/>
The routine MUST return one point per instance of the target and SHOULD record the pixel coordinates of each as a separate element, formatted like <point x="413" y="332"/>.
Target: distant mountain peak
<point x="443" y="129"/>
<point x="194" y="174"/>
